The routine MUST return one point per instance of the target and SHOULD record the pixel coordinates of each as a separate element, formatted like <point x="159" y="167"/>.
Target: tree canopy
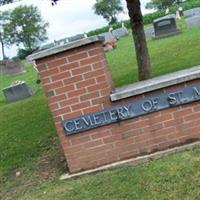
<point x="4" y="17"/>
<point x="161" y="4"/>
<point x="26" y="27"/>
<point x="108" y="9"/>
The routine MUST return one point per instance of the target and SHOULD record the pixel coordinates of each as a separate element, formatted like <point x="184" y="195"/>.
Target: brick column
<point x="76" y="81"/>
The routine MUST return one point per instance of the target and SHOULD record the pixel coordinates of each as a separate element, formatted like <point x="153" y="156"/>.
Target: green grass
<point x="173" y="177"/>
<point x="167" y="55"/>
<point x="28" y="138"/>
<point x="26" y="126"/>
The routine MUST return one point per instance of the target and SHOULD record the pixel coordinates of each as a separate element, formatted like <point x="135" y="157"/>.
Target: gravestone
<point x="11" y="67"/>
<point x="107" y="36"/>
<point x="17" y="92"/>
<point x="192" y="12"/>
<point x="148" y="31"/>
<point x="120" y="32"/>
<point x="193" y="21"/>
<point x="165" y="26"/>
<point x="76" y="37"/>
<point x="192" y="17"/>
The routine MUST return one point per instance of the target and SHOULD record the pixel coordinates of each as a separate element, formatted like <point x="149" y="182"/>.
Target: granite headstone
<point x="165" y="26"/>
<point x="17" y="92"/>
<point x="120" y="32"/>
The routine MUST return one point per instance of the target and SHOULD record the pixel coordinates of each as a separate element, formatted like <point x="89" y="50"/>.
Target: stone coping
<point x="65" y="47"/>
<point x="155" y="83"/>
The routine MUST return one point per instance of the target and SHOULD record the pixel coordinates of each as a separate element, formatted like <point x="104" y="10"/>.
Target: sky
<point x="67" y="18"/>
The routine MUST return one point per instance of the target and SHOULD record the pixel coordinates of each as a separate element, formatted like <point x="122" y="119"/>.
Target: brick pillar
<point x="76" y="81"/>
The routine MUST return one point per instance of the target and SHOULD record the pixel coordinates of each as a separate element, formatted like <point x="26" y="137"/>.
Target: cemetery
<point x="104" y="118"/>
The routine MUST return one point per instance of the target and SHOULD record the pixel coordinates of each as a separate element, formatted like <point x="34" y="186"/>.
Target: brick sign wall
<point x="77" y="82"/>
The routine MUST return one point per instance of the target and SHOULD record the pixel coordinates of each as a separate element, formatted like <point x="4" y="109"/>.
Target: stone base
<point x="166" y="35"/>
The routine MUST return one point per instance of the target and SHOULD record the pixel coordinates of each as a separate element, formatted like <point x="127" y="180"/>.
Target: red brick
<point x="90" y="60"/>
<point x="95" y="73"/>
<point x="91" y="109"/>
<point x="81" y="70"/>
<point x="80" y="140"/>
<point x="77" y="93"/>
<point x="45" y="59"/>
<point x="60" y="76"/>
<point x="46" y="81"/>
<point x="74" y="79"/>
<point x="61" y="111"/>
<point x="56" y="63"/>
<point x="72" y="115"/>
<point x="69" y="66"/>
<point x="96" y="87"/>
<point x="55" y="99"/>
<point x="93" y="144"/>
<point x="191" y="117"/>
<point x="101" y="79"/>
<point x="80" y="106"/>
<point x="53" y="106"/>
<point x="78" y="56"/>
<point x="53" y="85"/>
<point x="99" y="65"/>
<point x="89" y="96"/>
<point x="68" y="101"/>
<point x="65" y="89"/>
<point x="95" y="51"/>
<point x="100" y="100"/>
<point x="86" y="83"/>
<point x="181" y="113"/>
<point x="101" y="134"/>
<point x="48" y="73"/>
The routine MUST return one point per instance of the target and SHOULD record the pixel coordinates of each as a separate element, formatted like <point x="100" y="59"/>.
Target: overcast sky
<point x="68" y="17"/>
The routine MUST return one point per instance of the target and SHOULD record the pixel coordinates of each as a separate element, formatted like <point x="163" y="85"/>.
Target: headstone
<point x="17" y="92"/>
<point x="109" y="41"/>
<point x="11" y="67"/>
<point x="192" y="21"/>
<point x="148" y="31"/>
<point x="76" y="37"/>
<point x="192" y="17"/>
<point x="165" y="26"/>
<point x="192" y="12"/>
<point x="107" y="36"/>
<point x="120" y="32"/>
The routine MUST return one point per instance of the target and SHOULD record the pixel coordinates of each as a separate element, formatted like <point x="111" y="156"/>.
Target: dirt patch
<point x="11" y="67"/>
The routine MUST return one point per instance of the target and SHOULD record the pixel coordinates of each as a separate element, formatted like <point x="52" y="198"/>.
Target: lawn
<point x="167" y="55"/>
<point x="29" y="145"/>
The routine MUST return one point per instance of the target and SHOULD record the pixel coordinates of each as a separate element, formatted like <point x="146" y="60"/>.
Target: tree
<point x="3" y="2"/>
<point x="162" y="4"/>
<point x="136" y="19"/>
<point x="108" y="9"/>
<point x="4" y="16"/>
<point x="26" y="27"/>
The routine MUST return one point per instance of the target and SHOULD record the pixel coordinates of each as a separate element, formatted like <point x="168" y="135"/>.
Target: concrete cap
<point x="156" y="83"/>
<point x="65" y="47"/>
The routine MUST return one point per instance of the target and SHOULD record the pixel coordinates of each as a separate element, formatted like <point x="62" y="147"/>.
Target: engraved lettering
<point x="97" y="119"/>
<point x="121" y="113"/>
<point x="196" y="93"/>
<point x="172" y="99"/>
<point x="77" y="124"/>
<point x="69" y="126"/>
<point x="113" y="115"/>
<point x="147" y="106"/>
<point x="87" y="123"/>
<point x="128" y="109"/>
<point x="155" y="103"/>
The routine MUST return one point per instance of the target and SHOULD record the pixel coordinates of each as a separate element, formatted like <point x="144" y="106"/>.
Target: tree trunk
<point x="136" y="18"/>
<point x="2" y="48"/>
